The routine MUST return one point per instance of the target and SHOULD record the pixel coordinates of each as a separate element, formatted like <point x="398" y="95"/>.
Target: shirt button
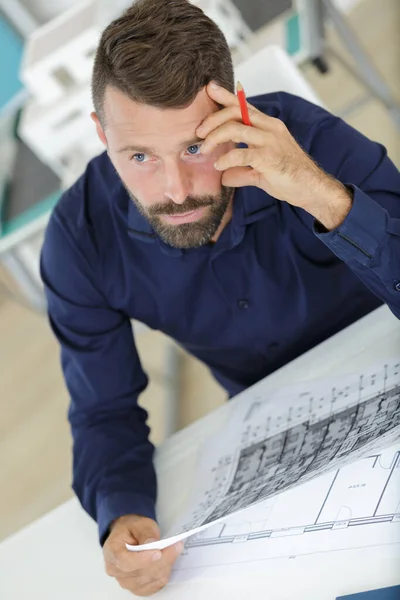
<point x="243" y="303"/>
<point x="397" y="286"/>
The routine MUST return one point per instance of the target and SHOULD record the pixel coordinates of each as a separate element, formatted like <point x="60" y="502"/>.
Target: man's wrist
<point x="333" y="204"/>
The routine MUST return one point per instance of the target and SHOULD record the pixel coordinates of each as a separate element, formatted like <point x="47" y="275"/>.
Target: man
<point x="248" y="245"/>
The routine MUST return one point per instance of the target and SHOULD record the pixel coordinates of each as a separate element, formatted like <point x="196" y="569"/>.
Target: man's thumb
<point x="141" y="530"/>
<point x="145" y="531"/>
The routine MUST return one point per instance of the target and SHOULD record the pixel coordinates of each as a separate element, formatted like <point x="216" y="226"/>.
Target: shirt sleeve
<point x="368" y="240"/>
<point x="113" y="473"/>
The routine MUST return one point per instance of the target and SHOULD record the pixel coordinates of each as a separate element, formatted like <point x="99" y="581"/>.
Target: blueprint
<point x="277" y="442"/>
<point x="356" y="506"/>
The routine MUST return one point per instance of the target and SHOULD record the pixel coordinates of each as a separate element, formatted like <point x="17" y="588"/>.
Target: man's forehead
<point x="125" y="115"/>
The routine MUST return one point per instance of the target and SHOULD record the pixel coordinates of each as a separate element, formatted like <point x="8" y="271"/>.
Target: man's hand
<point x="273" y="160"/>
<point x="143" y="573"/>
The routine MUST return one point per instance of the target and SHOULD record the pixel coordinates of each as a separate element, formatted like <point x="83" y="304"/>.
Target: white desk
<point x="58" y="556"/>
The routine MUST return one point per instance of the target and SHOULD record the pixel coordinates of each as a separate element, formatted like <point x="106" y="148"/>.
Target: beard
<point x="187" y="235"/>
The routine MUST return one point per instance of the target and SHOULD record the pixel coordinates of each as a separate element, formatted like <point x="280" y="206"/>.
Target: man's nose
<point x="178" y="182"/>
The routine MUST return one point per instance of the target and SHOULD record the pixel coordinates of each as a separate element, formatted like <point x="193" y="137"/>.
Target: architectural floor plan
<point x="277" y="442"/>
<point x="353" y="507"/>
<point x="275" y="462"/>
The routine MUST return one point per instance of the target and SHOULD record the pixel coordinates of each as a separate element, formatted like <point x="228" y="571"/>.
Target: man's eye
<point x="194" y="149"/>
<point x="139" y="157"/>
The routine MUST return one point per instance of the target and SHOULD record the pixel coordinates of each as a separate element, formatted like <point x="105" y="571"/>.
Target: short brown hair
<point x="161" y="53"/>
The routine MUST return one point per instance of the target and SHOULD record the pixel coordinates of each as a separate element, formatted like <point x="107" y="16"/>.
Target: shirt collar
<point x="137" y="223"/>
<point x="255" y="204"/>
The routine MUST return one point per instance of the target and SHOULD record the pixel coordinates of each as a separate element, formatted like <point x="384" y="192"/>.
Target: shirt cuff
<point x="361" y="233"/>
<point x="119" y="504"/>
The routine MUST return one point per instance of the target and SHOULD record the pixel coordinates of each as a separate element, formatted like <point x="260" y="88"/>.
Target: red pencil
<point x="243" y="104"/>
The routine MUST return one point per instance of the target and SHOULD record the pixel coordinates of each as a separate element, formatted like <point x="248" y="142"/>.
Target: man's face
<point x="156" y="154"/>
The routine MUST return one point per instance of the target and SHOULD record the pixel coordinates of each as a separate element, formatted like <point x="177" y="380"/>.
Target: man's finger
<point x="239" y="157"/>
<point x="171" y="553"/>
<point x="154" y="587"/>
<point x="232" y="113"/>
<point x="234" y="132"/>
<point x="127" y="561"/>
<point x="220" y="95"/>
<point x="149" y="580"/>
<point x="145" y="589"/>
<point x="239" y="177"/>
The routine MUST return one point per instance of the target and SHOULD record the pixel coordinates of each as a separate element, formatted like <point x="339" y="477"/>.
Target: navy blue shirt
<point x="270" y="288"/>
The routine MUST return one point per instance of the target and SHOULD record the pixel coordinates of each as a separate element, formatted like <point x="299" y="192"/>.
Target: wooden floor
<point x="35" y="445"/>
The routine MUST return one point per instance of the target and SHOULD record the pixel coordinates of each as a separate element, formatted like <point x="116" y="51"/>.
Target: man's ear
<point x="99" y="128"/>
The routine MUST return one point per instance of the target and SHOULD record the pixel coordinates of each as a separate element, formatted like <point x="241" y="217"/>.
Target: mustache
<point x="190" y="204"/>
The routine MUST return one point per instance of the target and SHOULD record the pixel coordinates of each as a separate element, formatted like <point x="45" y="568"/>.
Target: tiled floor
<point x="34" y="436"/>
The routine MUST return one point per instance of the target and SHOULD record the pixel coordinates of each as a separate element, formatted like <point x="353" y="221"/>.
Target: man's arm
<point x="113" y="471"/>
<point x="360" y="221"/>
<point x="342" y="179"/>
